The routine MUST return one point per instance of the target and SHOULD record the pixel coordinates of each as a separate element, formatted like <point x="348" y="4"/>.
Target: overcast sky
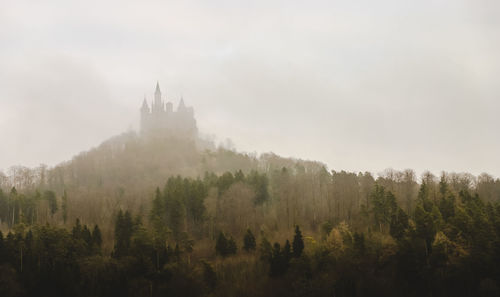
<point x="359" y="85"/>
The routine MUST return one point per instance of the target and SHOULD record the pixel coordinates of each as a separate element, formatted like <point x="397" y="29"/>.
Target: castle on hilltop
<point x="162" y="120"/>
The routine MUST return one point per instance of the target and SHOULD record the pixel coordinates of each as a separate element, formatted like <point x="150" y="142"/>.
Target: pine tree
<point x="287" y="251"/>
<point x="265" y="249"/>
<point x="249" y="241"/>
<point x="64" y="206"/>
<point x="97" y="237"/>
<point x="87" y="235"/>
<point x="221" y="245"/>
<point x="399" y="224"/>
<point x="77" y="230"/>
<point x="231" y="246"/>
<point x="209" y="276"/>
<point x="124" y="228"/>
<point x="298" y="243"/>
<point x="50" y="196"/>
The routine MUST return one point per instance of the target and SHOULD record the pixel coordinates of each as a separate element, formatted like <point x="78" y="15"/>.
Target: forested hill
<point x="124" y="171"/>
<point x="167" y="217"/>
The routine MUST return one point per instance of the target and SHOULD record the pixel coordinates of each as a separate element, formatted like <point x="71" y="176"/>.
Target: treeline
<point x="238" y="234"/>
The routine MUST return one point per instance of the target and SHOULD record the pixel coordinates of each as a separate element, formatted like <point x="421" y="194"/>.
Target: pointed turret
<point x="157" y="87"/>
<point x="157" y="106"/>
<point x="145" y="106"/>
<point x="182" y="106"/>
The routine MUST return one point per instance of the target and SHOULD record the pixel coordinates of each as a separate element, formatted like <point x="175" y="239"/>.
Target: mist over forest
<point x="252" y="149"/>
<point x="163" y="212"/>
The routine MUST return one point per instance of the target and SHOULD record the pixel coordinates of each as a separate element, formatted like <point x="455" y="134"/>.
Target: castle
<point x="162" y="120"/>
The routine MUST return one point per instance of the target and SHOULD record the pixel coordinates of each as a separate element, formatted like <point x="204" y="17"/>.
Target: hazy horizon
<point x="360" y="87"/>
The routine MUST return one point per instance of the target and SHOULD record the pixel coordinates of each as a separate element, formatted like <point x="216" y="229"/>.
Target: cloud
<point x="359" y="85"/>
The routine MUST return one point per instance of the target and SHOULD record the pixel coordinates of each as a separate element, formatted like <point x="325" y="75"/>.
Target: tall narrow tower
<point x="157" y="103"/>
<point x="144" y="115"/>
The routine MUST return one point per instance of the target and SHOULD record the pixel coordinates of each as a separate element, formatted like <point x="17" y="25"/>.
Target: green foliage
<point x="97" y="237"/>
<point x="384" y="205"/>
<point x="124" y="228"/>
<point x="64" y="206"/>
<point x="249" y="243"/>
<point x="181" y="199"/>
<point x="399" y="225"/>
<point x="225" y="246"/>
<point x="265" y="249"/>
<point x="259" y="182"/>
<point x="326" y="228"/>
<point x="50" y="196"/>
<point x="298" y="243"/>
<point x="209" y="276"/>
<point x="425" y="226"/>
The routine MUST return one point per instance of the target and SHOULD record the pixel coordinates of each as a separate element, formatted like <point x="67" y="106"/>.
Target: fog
<point x="360" y="86"/>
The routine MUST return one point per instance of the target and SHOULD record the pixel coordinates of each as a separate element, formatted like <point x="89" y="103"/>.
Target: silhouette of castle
<point x="162" y="120"/>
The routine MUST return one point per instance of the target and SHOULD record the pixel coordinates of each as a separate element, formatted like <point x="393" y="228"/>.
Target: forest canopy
<point x="162" y="217"/>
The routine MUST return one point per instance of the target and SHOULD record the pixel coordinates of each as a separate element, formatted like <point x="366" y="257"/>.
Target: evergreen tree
<point x="279" y="260"/>
<point x="221" y="246"/>
<point x="96" y="237"/>
<point x="259" y="182"/>
<point x="209" y="276"/>
<point x="425" y="227"/>
<point x="287" y="250"/>
<point x="87" y="236"/>
<point x="64" y="206"/>
<point x="249" y="243"/>
<point x="359" y="243"/>
<point x="123" y="233"/>
<point x="2" y="248"/>
<point x="231" y="246"/>
<point x="77" y="230"/>
<point x="265" y="249"/>
<point x="298" y="243"/>
<point x="399" y="224"/>
<point x="50" y="196"/>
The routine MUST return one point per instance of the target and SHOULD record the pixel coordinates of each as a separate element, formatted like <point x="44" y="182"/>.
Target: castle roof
<point x="145" y="105"/>
<point x="181" y="106"/>
<point x="157" y="87"/>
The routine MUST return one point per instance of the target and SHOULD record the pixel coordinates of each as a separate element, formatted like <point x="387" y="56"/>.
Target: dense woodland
<point x="164" y="217"/>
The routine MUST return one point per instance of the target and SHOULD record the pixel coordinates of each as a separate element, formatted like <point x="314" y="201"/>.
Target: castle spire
<point x="157" y="106"/>
<point x="157" y="87"/>
<point x="145" y="106"/>
<point x="181" y="106"/>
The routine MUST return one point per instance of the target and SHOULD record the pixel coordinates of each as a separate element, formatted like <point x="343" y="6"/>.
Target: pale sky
<point x="358" y="85"/>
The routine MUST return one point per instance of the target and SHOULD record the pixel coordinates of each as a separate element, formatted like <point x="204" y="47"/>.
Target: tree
<point x="399" y="225"/>
<point x="265" y="249"/>
<point x="425" y="227"/>
<point x="225" y="246"/>
<point x="123" y="233"/>
<point x="298" y="243"/>
<point x="231" y="246"/>
<point x="384" y="205"/>
<point x="249" y="241"/>
<point x="64" y="206"/>
<point x="260" y="184"/>
<point x="221" y="246"/>
<point x="209" y="276"/>
<point x="279" y="260"/>
<point x="97" y="237"/>
<point x="359" y="243"/>
<point x="50" y="196"/>
<point x="287" y="250"/>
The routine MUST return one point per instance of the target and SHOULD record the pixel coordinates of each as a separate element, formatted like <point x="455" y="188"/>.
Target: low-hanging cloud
<point x="359" y="85"/>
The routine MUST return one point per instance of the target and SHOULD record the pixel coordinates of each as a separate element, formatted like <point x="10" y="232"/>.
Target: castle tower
<point x="160" y="119"/>
<point x="157" y="103"/>
<point x="144" y="115"/>
<point x="182" y="106"/>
